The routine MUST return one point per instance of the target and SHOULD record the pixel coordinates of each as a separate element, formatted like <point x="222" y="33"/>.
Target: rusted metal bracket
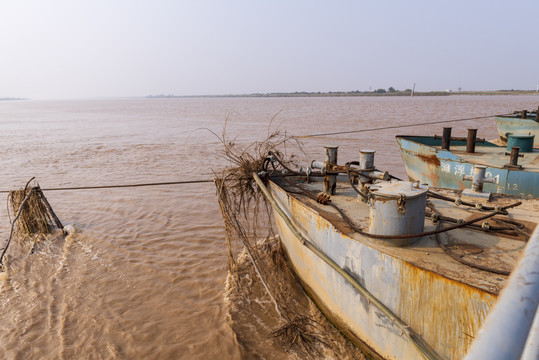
<point x="366" y="172"/>
<point x="323" y="198"/>
<point x="327" y="167"/>
<point x="401" y="204"/>
<point x="330" y="180"/>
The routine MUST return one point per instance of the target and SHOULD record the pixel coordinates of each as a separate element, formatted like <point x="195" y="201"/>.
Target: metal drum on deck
<point x="524" y="142"/>
<point x="397" y="208"/>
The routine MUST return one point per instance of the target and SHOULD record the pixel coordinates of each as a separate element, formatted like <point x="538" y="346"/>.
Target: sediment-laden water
<point x="145" y="275"/>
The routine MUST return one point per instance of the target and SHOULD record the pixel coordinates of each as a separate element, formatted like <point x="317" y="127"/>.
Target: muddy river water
<point x="144" y="276"/>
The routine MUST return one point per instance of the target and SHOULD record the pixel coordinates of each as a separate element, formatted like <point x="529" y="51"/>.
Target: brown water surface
<point x="144" y="276"/>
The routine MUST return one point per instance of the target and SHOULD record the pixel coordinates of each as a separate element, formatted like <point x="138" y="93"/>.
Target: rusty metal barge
<point x="403" y="271"/>
<point x="473" y="164"/>
<point x="520" y="123"/>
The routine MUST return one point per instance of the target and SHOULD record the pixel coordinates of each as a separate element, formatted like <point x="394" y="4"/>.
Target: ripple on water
<point x="144" y="275"/>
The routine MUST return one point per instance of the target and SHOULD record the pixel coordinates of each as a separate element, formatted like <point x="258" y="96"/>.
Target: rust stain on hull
<point x="444" y="311"/>
<point x="337" y="321"/>
<point x="431" y="166"/>
<point x="432" y="175"/>
<point x="429" y="159"/>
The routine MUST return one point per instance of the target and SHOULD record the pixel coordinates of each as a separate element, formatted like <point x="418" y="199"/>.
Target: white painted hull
<point x="446" y="313"/>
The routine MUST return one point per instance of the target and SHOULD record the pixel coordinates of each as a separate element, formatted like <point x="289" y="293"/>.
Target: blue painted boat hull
<point x="426" y="162"/>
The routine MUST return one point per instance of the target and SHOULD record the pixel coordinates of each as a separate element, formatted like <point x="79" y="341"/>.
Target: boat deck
<point x="491" y="249"/>
<point x="495" y="156"/>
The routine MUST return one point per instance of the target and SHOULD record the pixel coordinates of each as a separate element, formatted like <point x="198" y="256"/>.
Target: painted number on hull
<point x="497" y="177"/>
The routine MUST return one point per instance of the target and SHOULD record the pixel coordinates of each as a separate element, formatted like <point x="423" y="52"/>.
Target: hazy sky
<point x="76" y="49"/>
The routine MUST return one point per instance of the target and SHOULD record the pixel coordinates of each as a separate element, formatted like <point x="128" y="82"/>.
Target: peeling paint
<point x="418" y="153"/>
<point x="447" y="313"/>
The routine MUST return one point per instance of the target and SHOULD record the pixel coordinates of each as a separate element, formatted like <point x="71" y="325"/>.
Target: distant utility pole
<point x="537" y="91"/>
<point x="413" y="90"/>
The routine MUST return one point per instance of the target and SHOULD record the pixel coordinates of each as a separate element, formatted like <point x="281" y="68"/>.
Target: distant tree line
<point x="391" y="89"/>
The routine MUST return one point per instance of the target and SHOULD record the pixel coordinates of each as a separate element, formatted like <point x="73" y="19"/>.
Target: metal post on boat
<point x="470" y="141"/>
<point x="524" y="114"/>
<point x="478" y="179"/>
<point x="366" y="163"/>
<point x="330" y="160"/>
<point x="513" y="160"/>
<point x="537" y="114"/>
<point x="366" y="160"/>
<point x="446" y="138"/>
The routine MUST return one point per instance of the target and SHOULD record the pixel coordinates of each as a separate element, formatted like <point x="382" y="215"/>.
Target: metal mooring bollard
<point x="478" y="179"/>
<point x="513" y="160"/>
<point x="366" y="159"/>
<point x="366" y="163"/>
<point x="470" y="141"/>
<point x="330" y="160"/>
<point x="446" y="138"/>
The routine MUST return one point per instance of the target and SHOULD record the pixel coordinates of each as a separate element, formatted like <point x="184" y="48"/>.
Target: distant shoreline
<point x="351" y="93"/>
<point x="10" y="99"/>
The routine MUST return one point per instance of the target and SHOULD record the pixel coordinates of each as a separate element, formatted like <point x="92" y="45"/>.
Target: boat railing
<point x="511" y="330"/>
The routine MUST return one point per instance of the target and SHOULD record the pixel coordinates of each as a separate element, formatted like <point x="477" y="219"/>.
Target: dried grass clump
<point x="36" y="217"/>
<point x="246" y="160"/>
<point x="243" y="206"/>
<point x="303" y="332"/>
<point x="247" y="214"/>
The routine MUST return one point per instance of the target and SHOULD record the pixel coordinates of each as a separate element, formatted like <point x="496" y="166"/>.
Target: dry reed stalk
<point x="246" y="213"/>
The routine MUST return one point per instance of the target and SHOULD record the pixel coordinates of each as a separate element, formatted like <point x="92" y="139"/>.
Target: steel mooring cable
<point x="396" y="126"/>
<point x="458" y="258"/>
<point x="122" y="185"/>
